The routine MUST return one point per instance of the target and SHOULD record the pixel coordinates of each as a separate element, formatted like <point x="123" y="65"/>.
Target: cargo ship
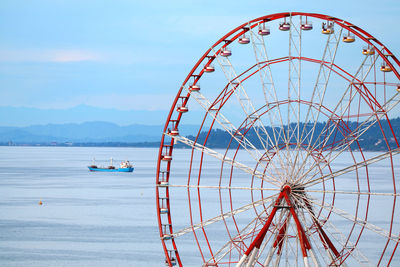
<point x="125" y="166"/>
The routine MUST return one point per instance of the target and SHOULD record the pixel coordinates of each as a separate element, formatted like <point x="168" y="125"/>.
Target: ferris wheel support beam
<point x="246" y="231"/>
<point x="278" y="243"/>
<point x="362" y="259"/>
<point x="250" y="254"/>
<point x="324" y="237"/>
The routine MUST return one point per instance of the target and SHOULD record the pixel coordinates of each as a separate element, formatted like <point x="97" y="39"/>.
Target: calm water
<point x="102" y="219"/>
<point x="87" y="219"/>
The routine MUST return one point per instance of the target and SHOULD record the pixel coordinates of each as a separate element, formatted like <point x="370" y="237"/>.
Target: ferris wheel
<point x="295" y="161"/>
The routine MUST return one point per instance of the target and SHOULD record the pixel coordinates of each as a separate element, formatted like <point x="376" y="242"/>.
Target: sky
<point x="134" y="55"/>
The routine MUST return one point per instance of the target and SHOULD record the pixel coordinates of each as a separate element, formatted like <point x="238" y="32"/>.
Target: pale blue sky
<point x="135" y="54"/>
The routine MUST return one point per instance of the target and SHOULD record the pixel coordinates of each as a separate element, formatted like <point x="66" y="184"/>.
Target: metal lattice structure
<point x="291" y="183"/>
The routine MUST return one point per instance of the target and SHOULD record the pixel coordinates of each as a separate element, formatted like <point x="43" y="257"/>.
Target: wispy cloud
<point x="49" y="55"/>
<point x="74" y="56"/>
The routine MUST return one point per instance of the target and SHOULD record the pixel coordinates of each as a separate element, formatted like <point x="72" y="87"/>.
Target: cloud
<point x="73" y="56"/>
<point x="51" y="55"/>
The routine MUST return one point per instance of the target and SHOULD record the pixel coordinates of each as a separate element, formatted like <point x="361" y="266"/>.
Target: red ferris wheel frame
<point x="172" y="123"/>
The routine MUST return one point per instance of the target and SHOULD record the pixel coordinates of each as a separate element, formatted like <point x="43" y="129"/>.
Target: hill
<point x="88" y="132"/>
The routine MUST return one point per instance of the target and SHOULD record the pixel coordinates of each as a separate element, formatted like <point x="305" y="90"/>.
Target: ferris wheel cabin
<point x="385" y="67"/>
<point x="166" y="158"/>
<point x="327" y="28"/>
<point x="284" y="26"/>
<point x="209" y="68"/>
<point x="182" y="109"/>
<point x="194" y="88"/>
<point x="306" y="26"/>
<point x="368" y="51"/>
<point x="349" y="38"/>
<point x="244" y="40"/>
<point x="263" y="30"/>
<point x="226" y="52"/>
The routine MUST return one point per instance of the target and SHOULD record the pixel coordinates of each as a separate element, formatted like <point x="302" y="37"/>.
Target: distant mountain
<point x="325" y="136"/>
<point x="94" y="132"/>
<point x="24" y="116"/>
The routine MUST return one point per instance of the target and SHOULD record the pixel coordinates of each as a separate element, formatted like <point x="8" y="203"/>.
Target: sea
<point x="88" y="218"/>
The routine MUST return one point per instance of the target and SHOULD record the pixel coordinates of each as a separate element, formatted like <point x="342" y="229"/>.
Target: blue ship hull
<point x="111" y="170"/>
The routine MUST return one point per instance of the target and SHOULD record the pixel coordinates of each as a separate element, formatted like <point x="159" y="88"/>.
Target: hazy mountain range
<point x="85" y="132"/>
<point x="25" y="116"/>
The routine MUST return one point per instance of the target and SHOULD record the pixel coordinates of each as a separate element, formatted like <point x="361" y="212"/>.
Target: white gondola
<point x="385" y="67"/>
<point x="209" y="68"/>
<point x="194" y="88"/>
<point x="284" y="26"/>
<point x="163" y="184"/>
<point x="306" y="26"/>
<point x="182" y="109"/>
<point x="349" y="38"/>
<point x="368" y="51"/>
<point x="244" y="39"/>
<point x="264" y="31"/>
<point x="174" y="132"/>
<point x="166" y="158"/>
<point x="226" y="53"/>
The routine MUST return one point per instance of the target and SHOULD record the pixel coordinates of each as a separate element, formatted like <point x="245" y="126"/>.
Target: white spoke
<point x="221" y="253"/>
<point x="356" y="220"/>
<point x="230" y="128"/>
<point x="337" y="235"/>
<point x="358" y="132"/>
<point x="242" y="96"/>
<point x="328" y="56"/>
<point x="224" y="216"/>
<point x="223" y="187"/>
<point x="227" y="160"/>
<point x="332" y="127"/>
<point x="353" y="193"/>
<point x="269" y="90"/>
<point x="352" y="167"/>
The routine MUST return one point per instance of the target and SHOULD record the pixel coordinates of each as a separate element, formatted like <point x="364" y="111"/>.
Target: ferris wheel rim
<point x="350" y="27"/>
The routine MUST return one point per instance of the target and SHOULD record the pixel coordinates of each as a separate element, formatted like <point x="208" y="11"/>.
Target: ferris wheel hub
<point x="289" y="187"/>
